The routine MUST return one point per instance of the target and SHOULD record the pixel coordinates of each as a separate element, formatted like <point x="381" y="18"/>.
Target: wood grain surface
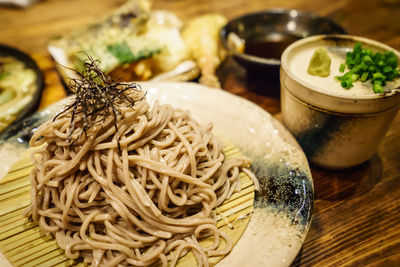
<point x="356" y="219"/>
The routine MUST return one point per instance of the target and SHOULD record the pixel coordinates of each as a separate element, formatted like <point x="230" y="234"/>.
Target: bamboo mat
<point x="23" y="244"/>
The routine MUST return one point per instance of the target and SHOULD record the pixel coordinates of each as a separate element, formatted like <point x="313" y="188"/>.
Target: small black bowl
<point x="5" y="51"/>
<point x="267" y="33"/>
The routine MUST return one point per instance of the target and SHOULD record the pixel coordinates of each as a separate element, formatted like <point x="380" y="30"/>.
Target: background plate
<point x="282" y="206"/>
<point x="7" y="51"/>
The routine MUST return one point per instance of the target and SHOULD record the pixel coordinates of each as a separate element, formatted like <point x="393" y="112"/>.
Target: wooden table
<point x="356" y="219"/>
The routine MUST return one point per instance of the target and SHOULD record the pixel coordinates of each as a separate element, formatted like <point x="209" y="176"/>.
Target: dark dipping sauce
<point x="270" y="46"/>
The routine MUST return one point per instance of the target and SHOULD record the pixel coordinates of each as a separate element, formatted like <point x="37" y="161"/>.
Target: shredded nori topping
<point x="97" y="97"/>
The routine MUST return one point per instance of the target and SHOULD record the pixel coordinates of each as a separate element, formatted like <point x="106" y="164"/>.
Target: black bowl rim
<point x="7" y="50"/>
<point x="265" y="61"/>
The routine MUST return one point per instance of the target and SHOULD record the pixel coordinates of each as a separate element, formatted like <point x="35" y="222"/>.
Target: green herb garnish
<point x="123" y="53"/>
<point x="342" y="67"/>
<point x="364" y="65"/>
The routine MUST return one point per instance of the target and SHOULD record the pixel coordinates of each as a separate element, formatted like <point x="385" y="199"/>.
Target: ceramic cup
<point x="336" y="127"/>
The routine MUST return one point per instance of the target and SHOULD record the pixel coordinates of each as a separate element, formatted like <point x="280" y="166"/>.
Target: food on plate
<point x="202" y="38"/>
<point x="320" y="63"/>
<point x="17" y="87"/>
<point x="119" y="182"/>
<point x="136" y="43"/>
<point x="132" y="43"/>
<point x="363" y="65"/>
<point x="235" y="44"/>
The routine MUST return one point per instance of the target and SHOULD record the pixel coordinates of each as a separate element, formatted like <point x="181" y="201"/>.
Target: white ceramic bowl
<point x="337" y="128"/>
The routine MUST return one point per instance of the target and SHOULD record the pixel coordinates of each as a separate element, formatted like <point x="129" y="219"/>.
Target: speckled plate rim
<point x="283" y="205"/>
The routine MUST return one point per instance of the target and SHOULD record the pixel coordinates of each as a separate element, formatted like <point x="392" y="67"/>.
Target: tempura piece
<point x="202" y="39"/>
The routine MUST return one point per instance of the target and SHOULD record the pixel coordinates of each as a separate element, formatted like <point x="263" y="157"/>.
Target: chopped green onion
<point x="377" y="87"/>
<point x="347" y="84"/>
<point x="357" y="48"/>
<point x="367" y="59"/>
<point x="364" y="76"/>
<point x="387" y="69"/>
<point x="354" y="77"/>
<point x="368" y="51"/>
<point x="342" y="67"/>
<point x="377" y="76"/>
<point x="365" y="65"/>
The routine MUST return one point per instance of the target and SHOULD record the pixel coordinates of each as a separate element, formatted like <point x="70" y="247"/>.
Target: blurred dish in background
<point x="202" y="39"/>
<point x="137" y="44"/>
<point x="257" y="40"/>
<point x="18" y="3"/>
<point x="132" y="43"/>
<point x="21" y="84"/>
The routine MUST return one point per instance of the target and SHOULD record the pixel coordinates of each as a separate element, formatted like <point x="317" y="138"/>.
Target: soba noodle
<point x="143" y="195"/>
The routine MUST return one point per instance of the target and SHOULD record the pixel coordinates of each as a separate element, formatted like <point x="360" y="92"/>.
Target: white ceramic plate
<point x="282" y="207"/>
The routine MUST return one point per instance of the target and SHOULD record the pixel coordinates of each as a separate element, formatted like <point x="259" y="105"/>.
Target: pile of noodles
<point x="137" y="191"/>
